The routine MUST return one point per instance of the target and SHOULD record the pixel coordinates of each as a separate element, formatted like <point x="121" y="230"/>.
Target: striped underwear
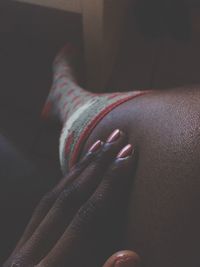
<point x="78" y="110"/>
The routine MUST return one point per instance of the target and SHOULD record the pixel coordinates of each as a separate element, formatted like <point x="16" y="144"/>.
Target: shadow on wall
<point x="157" y="18"/>
<point x="30" y="36"/>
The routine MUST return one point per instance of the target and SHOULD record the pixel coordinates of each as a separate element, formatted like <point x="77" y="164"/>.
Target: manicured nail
<point x="125" y="152"/>
<point x="114" y="136"/>
<point x="96" y="146"/>
<point x="126" y="262"/>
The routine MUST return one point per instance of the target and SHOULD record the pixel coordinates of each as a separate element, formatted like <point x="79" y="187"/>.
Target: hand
<point x="79" y="223"/>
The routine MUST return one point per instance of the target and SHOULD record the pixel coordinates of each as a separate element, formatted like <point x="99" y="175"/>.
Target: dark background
<point x="160" y="49"/>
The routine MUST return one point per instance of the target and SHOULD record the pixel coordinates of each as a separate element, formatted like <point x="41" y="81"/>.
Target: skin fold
<point x="163" y="221"/>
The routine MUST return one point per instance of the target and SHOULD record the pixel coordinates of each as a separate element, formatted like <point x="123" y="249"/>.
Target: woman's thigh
<point x="163" y="223"/>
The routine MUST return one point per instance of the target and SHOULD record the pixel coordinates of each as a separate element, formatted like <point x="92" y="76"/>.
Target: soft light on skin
<point x="163" y="224"/>
<point x="124" y="258"/>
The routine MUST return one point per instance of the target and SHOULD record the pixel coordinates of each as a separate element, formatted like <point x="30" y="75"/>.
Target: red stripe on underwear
<point x="68" y="143"/>
<point x="94" y="122"/>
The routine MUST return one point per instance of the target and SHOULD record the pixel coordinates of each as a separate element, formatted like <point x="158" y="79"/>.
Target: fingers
<point x="114" y="141"/>
<point x="123" y="259"/>
<point x="100" y="154"/>
<point x="92" y="221"/>
<point x="77" y="190"/>
<point x="48" y="200"/>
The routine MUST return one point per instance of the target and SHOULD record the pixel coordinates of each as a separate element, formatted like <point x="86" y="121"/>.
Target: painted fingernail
<point x="126" y="262"/>
<point x="114" y="136"/>
<point x="125" y="152"/>
<point x="96" y="146"/>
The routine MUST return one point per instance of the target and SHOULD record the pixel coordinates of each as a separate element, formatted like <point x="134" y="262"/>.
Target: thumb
<point x="124" y="258"/>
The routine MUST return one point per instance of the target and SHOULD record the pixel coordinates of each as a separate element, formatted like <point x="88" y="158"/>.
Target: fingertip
<point x="127" y="259"/>
<point x="126" y="158"/>
<point x="90" y="155"/>
<point x="115" y="141"/>
<point x="114" y="136"/>
<point x="125" y="152"/>
<point x="123" y="259"/>
<point x="96" y="146"/>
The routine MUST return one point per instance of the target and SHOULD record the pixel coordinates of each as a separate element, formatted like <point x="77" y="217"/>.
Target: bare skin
<point x="163" y="223"/>
<point x="77" y="223"/>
